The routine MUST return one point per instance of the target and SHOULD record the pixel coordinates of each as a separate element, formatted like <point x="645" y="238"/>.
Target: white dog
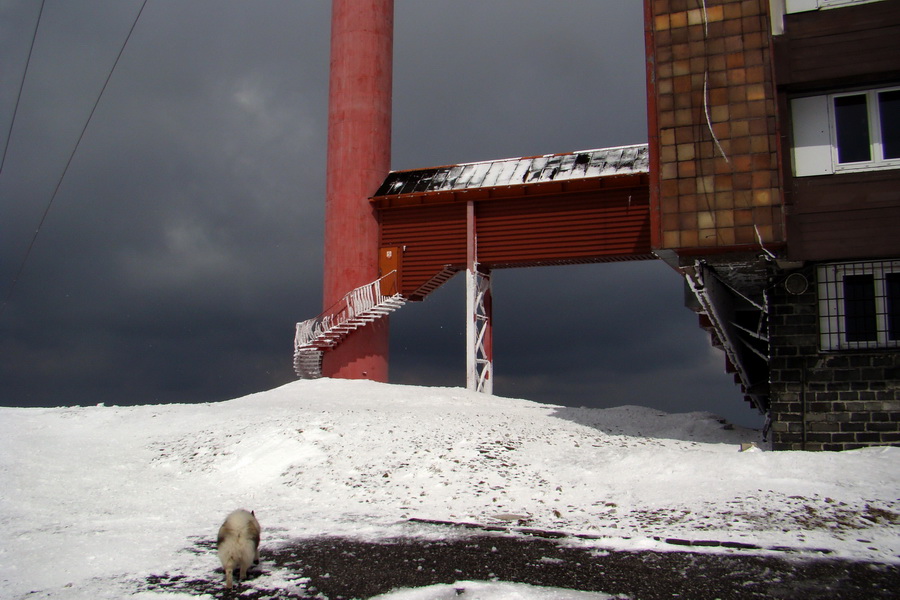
<point x="238" y="544"/>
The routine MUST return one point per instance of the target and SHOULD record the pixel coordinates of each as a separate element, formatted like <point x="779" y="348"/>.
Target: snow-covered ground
<point x="94" y="499"/>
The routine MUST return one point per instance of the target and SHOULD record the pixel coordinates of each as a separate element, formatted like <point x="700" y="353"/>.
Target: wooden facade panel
<point x="840" y="56"/>
<point x="830" y="22"/>
<point x="839" y="217"/>
<point x="846" y="215"/>
<point x="851" y="191"/>
<point x="846" y="235"/>
<point x="839" y="46"/>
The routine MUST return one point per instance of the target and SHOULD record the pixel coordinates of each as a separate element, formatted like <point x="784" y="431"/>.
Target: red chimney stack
<point x="359" y="159"/>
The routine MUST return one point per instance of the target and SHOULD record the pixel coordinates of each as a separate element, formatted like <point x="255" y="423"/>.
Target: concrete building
<point x="775" y="149"/>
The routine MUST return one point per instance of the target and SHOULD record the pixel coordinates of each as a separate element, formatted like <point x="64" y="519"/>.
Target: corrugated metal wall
<point x="614" y="224"/>
<point x="429" y="237"/>
<point x="601" y="225"/>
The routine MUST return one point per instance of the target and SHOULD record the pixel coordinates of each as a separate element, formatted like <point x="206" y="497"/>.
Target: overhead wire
<point x="12" y="121"/>
<point x="65" y="170"/>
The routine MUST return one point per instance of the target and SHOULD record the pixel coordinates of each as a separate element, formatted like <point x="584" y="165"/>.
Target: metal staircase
<point x="738" y="325"/>
<point x="358" y="308"/>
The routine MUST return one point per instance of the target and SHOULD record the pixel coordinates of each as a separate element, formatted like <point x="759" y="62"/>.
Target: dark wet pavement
<point x="339" y="568"/>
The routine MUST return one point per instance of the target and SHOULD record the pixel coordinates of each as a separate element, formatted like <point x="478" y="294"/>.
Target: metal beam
<point x="479" y="328"/>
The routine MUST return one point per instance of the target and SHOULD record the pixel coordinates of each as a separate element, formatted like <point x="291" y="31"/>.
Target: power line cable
<point x="15" y="280"/>
<point x="21" y="85"/>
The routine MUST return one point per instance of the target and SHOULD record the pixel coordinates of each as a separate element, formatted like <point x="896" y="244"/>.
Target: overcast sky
<point x="185" y="239"/>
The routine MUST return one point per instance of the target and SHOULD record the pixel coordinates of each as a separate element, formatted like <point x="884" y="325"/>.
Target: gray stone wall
<point x="826" y="401"/>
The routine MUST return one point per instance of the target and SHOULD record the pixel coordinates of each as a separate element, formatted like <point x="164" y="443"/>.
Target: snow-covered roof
<point x="603" y="162"/>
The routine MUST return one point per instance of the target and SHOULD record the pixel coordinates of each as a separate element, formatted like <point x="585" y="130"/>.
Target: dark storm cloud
<point x="186" y="238"/>
<point x="480" y="80"/>
<point x="187" y="230"/>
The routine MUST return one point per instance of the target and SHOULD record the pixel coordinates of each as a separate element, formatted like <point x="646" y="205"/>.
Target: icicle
<point x="708" y="119"/>
<point x="759" y="238"/>
<point x="705" y="19"/>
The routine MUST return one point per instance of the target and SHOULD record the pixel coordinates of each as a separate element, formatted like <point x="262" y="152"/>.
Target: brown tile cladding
<point x="717" y="181"/>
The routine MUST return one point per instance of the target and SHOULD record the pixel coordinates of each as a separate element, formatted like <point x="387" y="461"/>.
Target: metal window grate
<point x="859" y="305"/>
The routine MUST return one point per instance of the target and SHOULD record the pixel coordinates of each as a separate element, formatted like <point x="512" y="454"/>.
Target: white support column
<point x="479" y="342"/>
<point x="479" y="334"/>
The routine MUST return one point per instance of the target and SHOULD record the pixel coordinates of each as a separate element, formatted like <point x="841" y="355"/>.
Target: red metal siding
<point x="430" y="237"/>
<point x="516" y="226"/>
<point x="562" y="230"/>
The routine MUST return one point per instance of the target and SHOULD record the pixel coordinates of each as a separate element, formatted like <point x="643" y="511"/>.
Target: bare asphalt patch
<point x="340" y="569"/>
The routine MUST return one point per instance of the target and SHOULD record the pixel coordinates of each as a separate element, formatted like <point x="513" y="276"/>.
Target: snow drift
<point x="93" y="499"/>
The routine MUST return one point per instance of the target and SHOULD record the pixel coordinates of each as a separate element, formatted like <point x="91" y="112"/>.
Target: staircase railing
<point x="746" y="350"/>
<point x="358" y="307"/>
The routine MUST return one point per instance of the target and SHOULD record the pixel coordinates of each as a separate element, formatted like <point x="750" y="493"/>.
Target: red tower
<point x="359" y="157"/>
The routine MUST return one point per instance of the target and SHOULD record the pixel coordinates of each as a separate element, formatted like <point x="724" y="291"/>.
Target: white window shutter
<point x="811" y="153"/>
<point x="776" y="16"/>
<point x="794" y="6"/>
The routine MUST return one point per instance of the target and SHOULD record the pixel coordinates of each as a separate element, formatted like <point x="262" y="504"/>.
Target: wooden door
<point x="389" y="270"/>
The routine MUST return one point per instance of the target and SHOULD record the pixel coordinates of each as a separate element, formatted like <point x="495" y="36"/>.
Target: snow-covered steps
<point x="308" y="363"/>
<point x="358" y="308"/>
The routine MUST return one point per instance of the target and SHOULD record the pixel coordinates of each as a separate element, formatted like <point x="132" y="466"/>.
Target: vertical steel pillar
<point x="479" y="328"/>
<point x="359" y="158"/>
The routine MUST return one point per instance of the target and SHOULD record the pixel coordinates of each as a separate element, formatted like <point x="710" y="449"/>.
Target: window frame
<point x="841" y="3"/>
<point x="832" y="308"/>
<point x="876" y="147"/>
<point x="814" y="149"/>
<point x="795" y="6"/>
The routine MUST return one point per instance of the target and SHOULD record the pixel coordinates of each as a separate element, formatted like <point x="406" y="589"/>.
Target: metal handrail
<point x="355" y="303"/>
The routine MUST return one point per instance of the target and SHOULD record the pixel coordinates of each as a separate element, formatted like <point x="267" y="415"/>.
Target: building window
<point x="866" y="129"/>
<point x="794" y="6"/>
<point x="846" y="132"/>
<point x="859" y="305"/>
